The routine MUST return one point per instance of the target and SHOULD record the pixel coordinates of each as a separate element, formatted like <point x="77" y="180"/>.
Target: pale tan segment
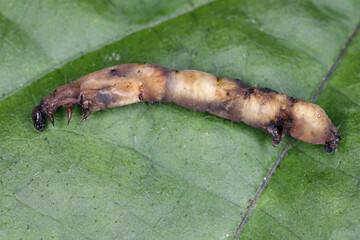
<point x="192" y="89"/>
<point x="311" y="124"/>
<point x="258" y="109"/>
<point x="110" y="87"/>
<point x="154" y="78"/>
<point x="124" y="84"/>
<point x="261" y="108"/>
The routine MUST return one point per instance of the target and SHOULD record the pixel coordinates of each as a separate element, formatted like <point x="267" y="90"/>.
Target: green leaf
<point x="162" y="171"/>
<point x="41" y="35"/>
<point x="313" y="196"/>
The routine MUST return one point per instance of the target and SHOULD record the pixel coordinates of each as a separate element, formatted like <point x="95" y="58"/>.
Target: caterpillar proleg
<point x="263" y="108"/>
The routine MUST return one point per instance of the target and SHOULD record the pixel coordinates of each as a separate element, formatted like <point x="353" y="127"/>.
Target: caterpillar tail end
<point x="332" y="140"/>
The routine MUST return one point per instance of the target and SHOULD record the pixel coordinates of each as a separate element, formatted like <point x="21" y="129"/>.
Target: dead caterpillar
<point x="232" y="99"/>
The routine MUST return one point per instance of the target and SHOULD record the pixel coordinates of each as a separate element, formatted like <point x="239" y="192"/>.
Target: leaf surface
<point x="310" y="196"/>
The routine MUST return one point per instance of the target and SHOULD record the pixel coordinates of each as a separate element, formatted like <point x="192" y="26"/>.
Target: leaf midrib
<point x="316" y="95"/>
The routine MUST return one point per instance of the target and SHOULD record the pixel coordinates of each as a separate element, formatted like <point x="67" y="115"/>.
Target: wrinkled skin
<point x="232" y="99"/>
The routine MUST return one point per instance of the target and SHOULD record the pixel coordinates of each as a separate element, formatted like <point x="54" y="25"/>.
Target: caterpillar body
<point x="263" y="108"/>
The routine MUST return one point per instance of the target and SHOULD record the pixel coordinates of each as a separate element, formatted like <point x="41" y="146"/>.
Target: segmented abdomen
<point x="232" y="99"/>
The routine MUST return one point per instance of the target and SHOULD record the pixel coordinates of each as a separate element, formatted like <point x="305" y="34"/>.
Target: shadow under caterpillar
<point x="232" y="99"/>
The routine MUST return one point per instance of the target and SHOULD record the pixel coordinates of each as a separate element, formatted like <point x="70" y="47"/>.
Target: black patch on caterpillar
<point x="140" y="96"/>
<point x="104" y="98"/>
<point x="328" y="147"/>
<point x="215" y="107"/>
<point x="82" y="99"/>
<point x="224" y="109"/>
<point x="114" y="72"/>
<point x="280" y="122"/>
<point x="275" y="128"/>
<point x="249" y="92"/>
<point x="267" y="90"/>
<point x="292" y="100"/>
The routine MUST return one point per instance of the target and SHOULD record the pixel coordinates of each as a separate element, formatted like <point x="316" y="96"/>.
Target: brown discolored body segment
<point x="232" y="99"/>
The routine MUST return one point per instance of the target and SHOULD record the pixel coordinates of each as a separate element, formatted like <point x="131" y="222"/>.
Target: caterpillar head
<point x="39" y="118"/>
<point x="65" y="95"/>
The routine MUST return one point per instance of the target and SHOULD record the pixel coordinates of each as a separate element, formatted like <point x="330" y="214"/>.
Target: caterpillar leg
<point x="69" y="112"/>
<point x="278" y="129"/>
<point x="87" y="103"/>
